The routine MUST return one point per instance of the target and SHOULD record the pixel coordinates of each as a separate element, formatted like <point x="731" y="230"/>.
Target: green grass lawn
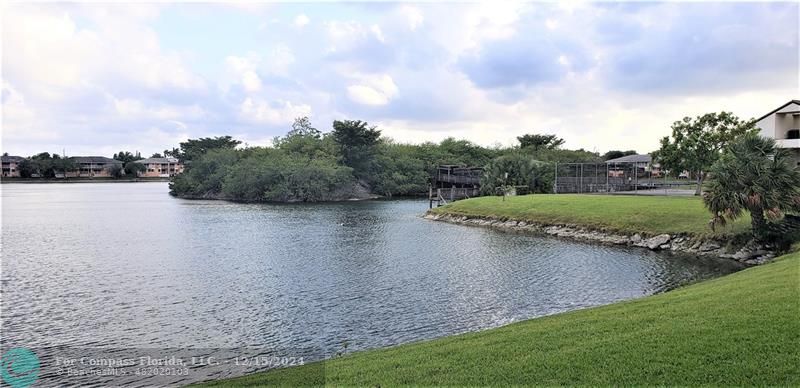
<point x="741" y="329"/>
<point x="622" y="213"/>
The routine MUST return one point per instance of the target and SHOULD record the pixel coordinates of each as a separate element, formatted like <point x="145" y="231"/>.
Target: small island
<point x="354" y="161"/>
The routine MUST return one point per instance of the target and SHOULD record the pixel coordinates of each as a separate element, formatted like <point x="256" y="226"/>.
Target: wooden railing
<point x="444" y="195"/>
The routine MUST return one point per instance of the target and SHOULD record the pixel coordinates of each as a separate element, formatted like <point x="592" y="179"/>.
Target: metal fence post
<point x="555" y="181"/>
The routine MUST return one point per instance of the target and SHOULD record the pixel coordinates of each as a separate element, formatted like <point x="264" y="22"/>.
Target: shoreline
<point x="234" y="200"/>
<point x="82" y="180"/>
<point x="748" y="253"/>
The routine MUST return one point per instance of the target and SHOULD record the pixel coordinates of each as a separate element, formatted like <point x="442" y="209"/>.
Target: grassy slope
<point x="741" y="329"/>
<point x="623" y="213"/>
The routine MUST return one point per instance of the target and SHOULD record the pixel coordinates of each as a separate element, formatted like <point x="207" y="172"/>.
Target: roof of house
<point x="157" y="160"/>
<point x="11" y="158"/>
<point x="779" y="108"/>
<point x="94" y="159"/>
<point x="632" y="159"/>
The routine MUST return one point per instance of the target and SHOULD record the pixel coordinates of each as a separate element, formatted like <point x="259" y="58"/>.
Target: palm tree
<point x="753" y="175"/>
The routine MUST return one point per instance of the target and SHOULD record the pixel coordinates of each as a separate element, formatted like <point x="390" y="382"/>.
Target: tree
<point x="115" y="170"/>
<point x="26" y="168"/>
<point x="174" y="153"/>
<point x="133" y="168"/>
<point x="43" y="165"/>
<point x="517" y="169"/>
<point x="399" y="171"/>
<point x="206" y="174"/>
<point x="566" y="156"/>
<point x="127" y="157"/>
<point x="697" y="143"/>
<point x="62" y="165"/>
<point x="614" y="154"/>
<point x="302" y="127"/>
<point x="356" y="141"/>
<point x="753" y="175"/>
<point x="194" y="148"/>
<point x="156" y="155"/>
<point x="305" y="140"/>
<point x="538" y="142"/>
<point x="464" y="152"/>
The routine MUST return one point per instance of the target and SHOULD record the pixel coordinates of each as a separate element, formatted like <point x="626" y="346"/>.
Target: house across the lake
<point x="160" y="167"/>
<point x="11" y="166"/>
<point x="643" y="164"/>
<point x="92" y="167"/>
<point x="783" y="125"/>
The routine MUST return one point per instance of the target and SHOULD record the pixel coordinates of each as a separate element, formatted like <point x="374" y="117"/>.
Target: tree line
<point x="46" y="165"/>
<point x="308" y="164"/>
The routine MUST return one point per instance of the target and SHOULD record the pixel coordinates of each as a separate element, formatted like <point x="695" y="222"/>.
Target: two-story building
<point x="643" y="164"/>
<point x="92" y="166"/>
<point x="783" y="125"/>
<point x="160" y="167"/>
<point x="11" y="166"/>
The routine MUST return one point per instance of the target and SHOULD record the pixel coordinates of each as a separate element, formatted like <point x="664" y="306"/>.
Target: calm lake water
<point x="113" y="265"/>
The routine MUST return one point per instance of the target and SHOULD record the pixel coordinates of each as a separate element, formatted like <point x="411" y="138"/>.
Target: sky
<point x="94" y="79"/>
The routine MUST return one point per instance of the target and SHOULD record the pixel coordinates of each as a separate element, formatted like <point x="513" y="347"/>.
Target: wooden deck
<point x="443" y="196"/>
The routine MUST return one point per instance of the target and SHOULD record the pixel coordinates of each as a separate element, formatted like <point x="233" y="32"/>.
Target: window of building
<point x="793" y="134"/>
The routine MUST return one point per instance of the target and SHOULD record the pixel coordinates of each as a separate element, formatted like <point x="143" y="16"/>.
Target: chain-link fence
<point x="618" y="178"/>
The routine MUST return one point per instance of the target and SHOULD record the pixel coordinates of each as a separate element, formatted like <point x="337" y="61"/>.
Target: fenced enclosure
<point x="624" y="178"/>
<point x="453" y="182"/>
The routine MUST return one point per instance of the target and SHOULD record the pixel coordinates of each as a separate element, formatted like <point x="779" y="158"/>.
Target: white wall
<point x="776" y="125"/>
<point x="767" y="126"/>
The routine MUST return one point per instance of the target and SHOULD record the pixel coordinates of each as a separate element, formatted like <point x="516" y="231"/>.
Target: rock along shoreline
<point x="749" y="253"/>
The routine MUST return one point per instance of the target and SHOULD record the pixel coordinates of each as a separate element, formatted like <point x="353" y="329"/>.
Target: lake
<point x="124" y="265"/>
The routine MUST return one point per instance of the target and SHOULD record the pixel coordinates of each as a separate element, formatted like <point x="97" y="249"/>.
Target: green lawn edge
<point x="740" y="329"/>
<point x="628" y="214"/>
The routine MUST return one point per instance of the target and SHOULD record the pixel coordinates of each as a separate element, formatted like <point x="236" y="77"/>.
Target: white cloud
<point x="301" y="20"/>
<point x="87" y="75"/>
<point x="242" y="71"/>
<point x="279" y="60"/>
<point x="274" y="113"/>
<point x="251" y="81"/>
<point x="178" y="124"/>
<point x="54" y="58"/>
<point x="245" y="70"/>
<point x="366" y="95"/>
<point x="128" y="108"/>
<point x="376" y="31"/>
<point x="343" y="35"/>
<point x="343" y="32"/>
<point x="493" y="20"/>
<point x="20" y="121"/>
<point x="413" y="16"/>
<point x="373" y="90"/>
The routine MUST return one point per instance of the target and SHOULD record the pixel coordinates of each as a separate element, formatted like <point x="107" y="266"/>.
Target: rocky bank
<point x="749" y="253"/>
